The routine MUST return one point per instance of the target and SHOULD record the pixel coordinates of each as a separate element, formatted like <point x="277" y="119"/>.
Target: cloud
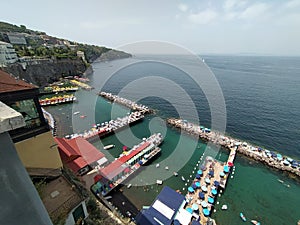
<point x="254" y="11"/>
<point x="203" y="17"/>
<point x="183" y="7"/>
<point x="292" y="4"/>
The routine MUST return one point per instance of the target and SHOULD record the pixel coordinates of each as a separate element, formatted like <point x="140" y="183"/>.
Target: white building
<point x="7" y="54"/>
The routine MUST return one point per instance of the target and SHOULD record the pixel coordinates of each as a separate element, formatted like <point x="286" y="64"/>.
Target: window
<point x="78" y="213"/>
<point x="28" y="109"/>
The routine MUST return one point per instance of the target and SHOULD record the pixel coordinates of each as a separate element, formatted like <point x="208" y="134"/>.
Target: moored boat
<point x="175" y="174"/>
<point x="255" y="222"/>
<point x="182" y="178"/>
<point x="243" y="217"/>
<point x="107" y="147"/>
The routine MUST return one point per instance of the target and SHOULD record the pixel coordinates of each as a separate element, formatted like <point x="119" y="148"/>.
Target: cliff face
<point x="44" y="72"/>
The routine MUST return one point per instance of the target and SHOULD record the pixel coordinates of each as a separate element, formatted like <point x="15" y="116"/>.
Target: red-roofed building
<point x="80" y="155"/>
<point x="114" y="170"/>
<point x="125" y="158"/>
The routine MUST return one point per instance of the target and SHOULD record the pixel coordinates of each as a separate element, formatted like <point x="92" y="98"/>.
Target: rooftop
<point x="59" y="195"/>
<point x="10" y="119"/>
<point x="9" y="83"/>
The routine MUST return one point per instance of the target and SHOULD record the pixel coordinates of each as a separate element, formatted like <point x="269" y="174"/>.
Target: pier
<point x="126" y="102"/>
<point x="107" y="128"/>
<point x="270" y="158"/>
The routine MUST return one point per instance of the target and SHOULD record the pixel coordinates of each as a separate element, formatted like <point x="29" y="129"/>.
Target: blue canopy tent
<point x="211" y="200"/>
<point x="201" y="195"/>
<point x="190" y="189"/>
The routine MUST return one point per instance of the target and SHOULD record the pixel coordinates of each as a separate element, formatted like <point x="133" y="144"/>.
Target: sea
<point x="253" y="98"/>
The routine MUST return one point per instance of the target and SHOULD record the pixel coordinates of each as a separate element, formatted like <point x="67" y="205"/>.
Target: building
<point x="16" y="38"/>
<point x="167" y="209"/>
<point x="34" y="142"/>
<point x="7" y="54"/>
<point x="63" y="202"/>
<point x="80" y="155"/>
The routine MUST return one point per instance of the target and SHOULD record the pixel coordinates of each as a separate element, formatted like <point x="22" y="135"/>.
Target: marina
<point x="270" y="158"/>
<point x="107" y="128"/>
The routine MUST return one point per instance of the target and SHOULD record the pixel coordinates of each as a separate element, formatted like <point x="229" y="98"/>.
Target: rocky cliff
<point x="43" y="72"/>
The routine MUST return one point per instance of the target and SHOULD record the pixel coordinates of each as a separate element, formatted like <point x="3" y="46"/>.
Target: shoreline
<point x="250" y="151"/>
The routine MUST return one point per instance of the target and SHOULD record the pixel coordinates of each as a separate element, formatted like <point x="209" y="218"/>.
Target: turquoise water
<point x="254" y="188"/>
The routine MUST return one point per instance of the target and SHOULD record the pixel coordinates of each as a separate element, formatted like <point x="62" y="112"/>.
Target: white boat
<point x="157" y="165"/>
<point x="108" y="147"/>
<point x="182" y="178"/>
<point x="75" y="113"/>
<point x="159" y="182"/>
<point x="224" y="207"/>
<point x="255" y="222"/>
<point x="175" y="174"/>
<point x="129" y="186"/>
<point x="167" y="168"/>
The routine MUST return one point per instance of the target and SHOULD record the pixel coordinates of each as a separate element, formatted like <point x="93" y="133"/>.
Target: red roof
<point x="113" y="169"/>
<point x="125" y="158"/>
<point x="9" y="83"/>
<point x="77" y="153"/>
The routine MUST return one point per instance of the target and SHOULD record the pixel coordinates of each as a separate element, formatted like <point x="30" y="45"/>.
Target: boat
<point x="182" y="178"/>
<point x="108" y="147"/>
<point x="224" y="207"/>
<point x="255" y="222"/>
<point x="75" y="113"/>
<point x="243" y="217"/>
<point x="167" y="168"/>
<point x="175" y="174"/>
<point x="129" y="186"/>
<point x="281" y="181"/>
<point x="159" y="182"/>
<point x="82" y="116"/>
<point x="157" y="165"/>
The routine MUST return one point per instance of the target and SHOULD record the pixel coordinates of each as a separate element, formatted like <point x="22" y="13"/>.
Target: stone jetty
<point x="257" y="153"/>
<point x="126" y="102"/>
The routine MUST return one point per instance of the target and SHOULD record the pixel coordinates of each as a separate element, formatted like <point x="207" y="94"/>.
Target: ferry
<point x="107" y="147"/>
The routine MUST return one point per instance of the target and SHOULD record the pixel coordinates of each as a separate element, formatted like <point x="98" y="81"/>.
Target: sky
<point x="264" y="27"/>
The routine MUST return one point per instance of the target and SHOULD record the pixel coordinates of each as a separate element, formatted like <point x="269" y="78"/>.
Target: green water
<point x="253" y="190"/>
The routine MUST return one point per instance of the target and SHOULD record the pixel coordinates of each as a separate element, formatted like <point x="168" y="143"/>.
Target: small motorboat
<point x="75" y="113"/>
<point x="157" y="165"/>
<point x="82" y="116"/>
<point x="129" y="186"/>
<point x="255" y="222"/>
<point x="243" y="217"/>
<point x="159" y="182"/>
<point x="108" y="147"/>
<point x="175" y="174"/>
<point x="182" y="178"/>
<point x="167" y="168"/>
<point x="224" y="207"/>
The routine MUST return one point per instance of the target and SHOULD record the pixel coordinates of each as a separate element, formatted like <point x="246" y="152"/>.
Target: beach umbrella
<point x="226" y="169"/>
<point x="206" y="212"/>
<point x="198" y="176"/>
<point x="202" y="167"/>
<point x="190" y="210"/>
<point x="199" y="172"/>
<point x="230" y="164"/>
<point x="222" y="174"/>
<point x="211" y="200"/>
<point x="194" y="186"/>
<point x="197" y="184"/>
<point x="214" y="192"/>
<point x="204" y="204"/>
<point x="190" y="189"/>
<point x="207" y="180"/>
<point x="211" y="173"/>
<point x="204" y="188"/>
<point x="216" y="183"/>
<point x="201" y="195"/>
<point x="124" y="148"/>
<point x="195" y="207"/>
<point x="195" y="222"/>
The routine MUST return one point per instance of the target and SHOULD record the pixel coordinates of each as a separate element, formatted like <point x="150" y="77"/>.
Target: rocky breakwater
<point x="270" y="158"/>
